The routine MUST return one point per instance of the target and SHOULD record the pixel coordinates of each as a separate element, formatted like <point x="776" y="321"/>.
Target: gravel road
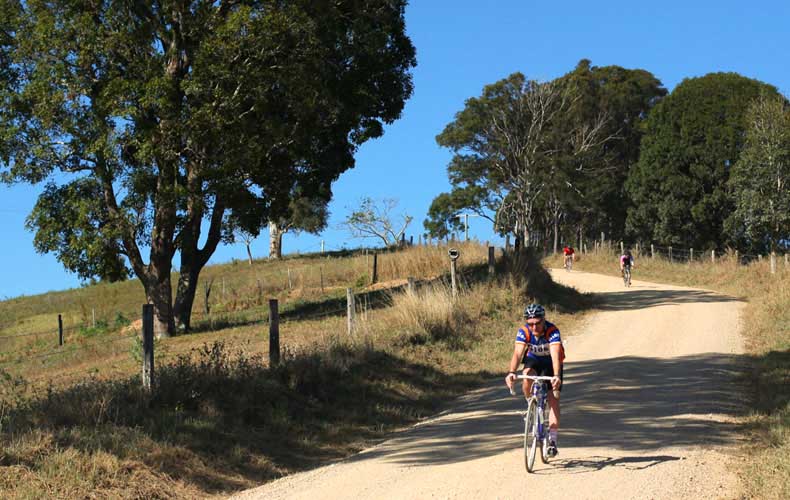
<point x="649" y="409"/>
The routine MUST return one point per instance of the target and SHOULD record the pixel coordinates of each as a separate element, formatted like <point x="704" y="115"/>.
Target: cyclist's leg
<point x="530" y="363"/>
<point x="554" y="404"/>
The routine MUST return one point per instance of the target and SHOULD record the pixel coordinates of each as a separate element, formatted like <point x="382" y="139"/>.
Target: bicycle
<point x="568" y="262"/>
<point x="536" y="421"/>
<point x="627" y="276"/>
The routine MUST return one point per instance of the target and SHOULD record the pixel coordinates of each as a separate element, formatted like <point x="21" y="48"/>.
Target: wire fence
<point x="76" y="338"/>
<point x="691" y="255"/>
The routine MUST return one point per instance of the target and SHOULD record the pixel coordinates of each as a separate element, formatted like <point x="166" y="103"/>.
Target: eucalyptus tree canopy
<point x="760" y="179"/>
<point x="150" y="123"/>
<point x="554" y="149"/>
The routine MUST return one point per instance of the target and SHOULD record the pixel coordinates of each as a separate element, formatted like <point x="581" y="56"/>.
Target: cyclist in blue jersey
<point x="539" y="347"/>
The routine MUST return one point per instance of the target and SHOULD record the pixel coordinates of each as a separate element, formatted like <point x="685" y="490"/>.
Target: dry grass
<point x="222" y="420"/>
<point x="766" y="322"/>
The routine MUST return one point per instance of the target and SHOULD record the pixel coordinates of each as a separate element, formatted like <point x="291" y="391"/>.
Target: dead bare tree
<point x="376" y="220"/>
<point x="530" y="140"/>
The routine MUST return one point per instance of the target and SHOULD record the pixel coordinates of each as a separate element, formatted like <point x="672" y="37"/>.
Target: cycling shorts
<point x="543" y="367"/>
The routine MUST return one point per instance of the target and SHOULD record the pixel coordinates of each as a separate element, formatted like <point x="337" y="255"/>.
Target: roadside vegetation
<point x="766" y="328"/>
<point x="221" y="419"/>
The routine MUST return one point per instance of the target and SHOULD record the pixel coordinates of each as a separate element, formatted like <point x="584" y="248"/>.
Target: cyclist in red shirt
<point x="568" y="253"/>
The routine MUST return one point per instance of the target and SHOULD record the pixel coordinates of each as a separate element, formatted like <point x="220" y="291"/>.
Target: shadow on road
<point x="638" y="405"/>
<point x="634" y="298"/>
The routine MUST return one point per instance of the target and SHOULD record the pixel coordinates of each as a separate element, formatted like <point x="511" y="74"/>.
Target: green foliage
<point x="100" y="328"/>
<point x="626" y="97"/>
<point x="694" y="136"/>
<point x="362" y="281"/>
<point x="760" y="179"/>
<point x="534" y="155"/>
<point x="148" y="120"/>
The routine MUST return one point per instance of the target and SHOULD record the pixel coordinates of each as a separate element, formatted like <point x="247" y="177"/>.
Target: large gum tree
<point x="151" y="125"/>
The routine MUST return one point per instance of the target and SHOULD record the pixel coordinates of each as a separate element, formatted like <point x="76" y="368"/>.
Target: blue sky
<point x="463" y="45"/>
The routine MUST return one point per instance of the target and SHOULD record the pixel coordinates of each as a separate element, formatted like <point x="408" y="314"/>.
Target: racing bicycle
<point x="627" y="276"/>
<point x="536" y="421"/>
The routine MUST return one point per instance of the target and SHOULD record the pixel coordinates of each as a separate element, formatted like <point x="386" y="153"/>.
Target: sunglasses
<point x="534" y="323"/>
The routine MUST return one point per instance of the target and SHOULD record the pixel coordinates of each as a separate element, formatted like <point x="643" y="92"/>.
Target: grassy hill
<point x="77" y="423"/>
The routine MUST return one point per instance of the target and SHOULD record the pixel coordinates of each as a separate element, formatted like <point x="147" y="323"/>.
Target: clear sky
<point x="463" y="45"/>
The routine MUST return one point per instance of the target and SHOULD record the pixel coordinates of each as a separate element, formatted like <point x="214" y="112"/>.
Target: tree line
<point x="609" y="150"/>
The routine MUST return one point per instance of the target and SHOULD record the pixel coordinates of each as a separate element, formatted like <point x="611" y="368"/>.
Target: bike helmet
<point x="534" y="311"/>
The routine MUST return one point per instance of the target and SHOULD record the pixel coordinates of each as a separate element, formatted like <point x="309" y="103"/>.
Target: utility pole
<point x="466" y="223"/>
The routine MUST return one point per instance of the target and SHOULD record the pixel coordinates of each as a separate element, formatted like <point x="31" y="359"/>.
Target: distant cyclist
<point x="626" y="260"/>
<point x="539" y="347"/>
<point x="568" y="252"/>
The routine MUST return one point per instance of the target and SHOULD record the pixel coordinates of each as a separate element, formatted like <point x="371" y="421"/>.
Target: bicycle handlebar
<point x="536" y="378"/>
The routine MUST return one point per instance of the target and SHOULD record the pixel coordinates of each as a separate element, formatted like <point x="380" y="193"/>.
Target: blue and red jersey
<point x="538" y="346"/>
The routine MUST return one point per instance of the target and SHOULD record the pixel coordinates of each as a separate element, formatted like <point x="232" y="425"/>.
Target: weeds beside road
<point x="221" y="420"/>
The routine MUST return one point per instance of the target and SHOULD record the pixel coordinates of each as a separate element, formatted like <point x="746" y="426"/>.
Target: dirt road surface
<point x="648" y="412"/>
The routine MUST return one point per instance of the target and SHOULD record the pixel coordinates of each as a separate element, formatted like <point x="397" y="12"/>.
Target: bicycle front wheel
<point x="544" y="439"/>
<point x="531" y="435"/>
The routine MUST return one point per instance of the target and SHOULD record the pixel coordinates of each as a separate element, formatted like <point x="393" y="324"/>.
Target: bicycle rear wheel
<point x="531" y="435"/>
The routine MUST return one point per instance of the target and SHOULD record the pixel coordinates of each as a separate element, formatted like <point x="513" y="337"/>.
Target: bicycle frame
<point x="540" y="393"/>
<point x="540" y="432"/>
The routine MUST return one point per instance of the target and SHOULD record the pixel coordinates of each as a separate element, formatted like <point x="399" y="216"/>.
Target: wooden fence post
<point x="289" y="279"/>
<point x="491" y="262"/>
<point x="773" y="263"/>
<point x="375" y="268"/>
<point x="713" y="256"/>
<point x="622" y="248"/>
<point x="652" y="251"/>
<point x="411" y="285"/>
<point x="691" y="255"/>
<point x="274" y="333"/>
<point x="60" y="330"/>
<point x="737" y="259"/>
<point x="321" y="271"/>
<point x="148" y="346"/>
<point x="350" y="309"/>
<point x="453" y="279"/>
<point x="670" y="254"/>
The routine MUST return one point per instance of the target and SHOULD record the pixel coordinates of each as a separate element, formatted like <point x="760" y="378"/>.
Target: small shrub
<point x="121" y="321"/>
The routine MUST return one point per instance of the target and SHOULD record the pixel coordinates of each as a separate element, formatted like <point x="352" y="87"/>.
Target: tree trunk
<point x="556" y="233"/>
<point x="275" y="241"/>
<point x="159" y="293"/>
<point x="185" y="295"/>
<point x="194" y="259"/>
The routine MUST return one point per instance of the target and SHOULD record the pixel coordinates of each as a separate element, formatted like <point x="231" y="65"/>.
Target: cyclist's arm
<point x="518" y="355"/>
<point x="556" y="364"/>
